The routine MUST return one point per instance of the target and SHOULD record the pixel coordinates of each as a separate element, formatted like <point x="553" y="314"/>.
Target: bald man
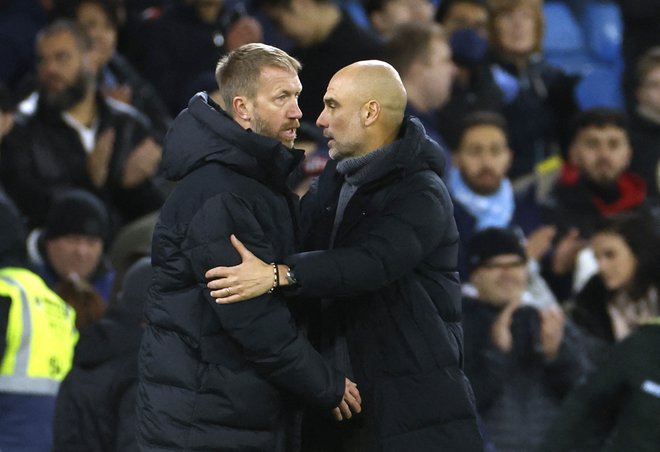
<point x="381" y="261"/>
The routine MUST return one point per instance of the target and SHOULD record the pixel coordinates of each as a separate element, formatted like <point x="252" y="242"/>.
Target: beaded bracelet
<point x="276" y="277"/>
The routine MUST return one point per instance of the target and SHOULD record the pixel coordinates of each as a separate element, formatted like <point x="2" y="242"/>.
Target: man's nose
<point x="296" y="112"/>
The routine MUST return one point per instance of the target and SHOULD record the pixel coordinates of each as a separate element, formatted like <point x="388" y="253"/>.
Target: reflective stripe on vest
<point x="41" y="335"/>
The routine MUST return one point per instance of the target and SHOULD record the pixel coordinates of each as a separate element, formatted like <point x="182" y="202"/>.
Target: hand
<point x="142" y="163"/>
<point x="244" y="31"/>
<point x="351" y="403"/>
<point x="500" y="332"/>
<point x="539" y="242"/>
<point x="98" y="159"/>
<point x="122" y="93"/>
<point x="552" y="331"/>
<point x="251" y="278"/>
<point x="566" y="251"/>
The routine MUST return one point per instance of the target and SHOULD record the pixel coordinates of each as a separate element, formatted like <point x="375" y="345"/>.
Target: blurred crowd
<point x="556" y="196"/>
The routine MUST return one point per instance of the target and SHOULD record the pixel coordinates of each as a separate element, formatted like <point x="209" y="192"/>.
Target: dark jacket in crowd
<point x="95" y="407"/>
<point x="144" y="97"/>
<point x="347" y="44"/>
<point x="622" y="398"/>
<point x="392" y="272"/>
<point x="518" y="394"/>
<point x="645" y="141"/>
<point x="576" y="202"/>
<point x="223" y="377"/>
<point x="541" y="92"/>
<point x="43" y="156"/>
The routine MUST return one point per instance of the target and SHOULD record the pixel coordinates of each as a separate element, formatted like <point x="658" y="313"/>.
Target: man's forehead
<point x="601" y="131"/>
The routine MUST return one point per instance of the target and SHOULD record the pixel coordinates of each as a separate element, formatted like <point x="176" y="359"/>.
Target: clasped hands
<point x="254" y="277"/>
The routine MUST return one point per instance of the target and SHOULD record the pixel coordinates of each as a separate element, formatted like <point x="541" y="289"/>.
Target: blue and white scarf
<point x="494" y="210"/>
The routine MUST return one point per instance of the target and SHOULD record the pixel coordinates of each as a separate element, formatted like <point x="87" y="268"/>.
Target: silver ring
<point x="228" y="291"/>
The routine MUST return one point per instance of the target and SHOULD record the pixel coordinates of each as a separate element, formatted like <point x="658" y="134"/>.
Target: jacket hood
<point x="203" y="133"/>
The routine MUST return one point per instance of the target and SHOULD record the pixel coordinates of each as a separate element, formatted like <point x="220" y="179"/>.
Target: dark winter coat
<point x="392" y="272"/>
<point x="518" y="394"/>
<point x="95" y="407"/>
<point x="622" y="397"/>
<point x="43" y="156"/>
<point x="223" y="377"/>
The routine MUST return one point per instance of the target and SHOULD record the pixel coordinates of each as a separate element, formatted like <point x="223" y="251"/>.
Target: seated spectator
<point x="474" y="88"/>
<point x="117" y="78"/>
<point x="74" y="137"/>
<point x="421" y="55"/>
<point x="187" y="40"/>
<point x="624" y="292"/>
<point x="385" y="15"/>
<point x="520" y="360"/>
<point x="645" y="122"/>
<point x="482" y="193"/>
<point x="95" y="408"/>
<point x="593" y="184"/>
<point x="539" y="99"/>
<point x="311" y="140"/>
<point x="69" y="254"/>
<point x="621" y="398"/>
<point x="325" y="40"/>
<point x="37" y="339"/>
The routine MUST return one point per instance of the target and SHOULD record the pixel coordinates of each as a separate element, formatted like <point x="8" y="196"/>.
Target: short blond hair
<point x="237" y="73"/>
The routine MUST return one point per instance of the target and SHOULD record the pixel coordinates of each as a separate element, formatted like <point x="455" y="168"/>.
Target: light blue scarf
<point x="489" y="210"/>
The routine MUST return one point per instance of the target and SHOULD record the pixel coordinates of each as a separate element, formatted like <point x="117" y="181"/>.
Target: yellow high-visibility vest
<point x="41" y="335"/>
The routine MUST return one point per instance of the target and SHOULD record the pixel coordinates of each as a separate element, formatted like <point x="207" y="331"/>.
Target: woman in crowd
<point x="624" y="292"/>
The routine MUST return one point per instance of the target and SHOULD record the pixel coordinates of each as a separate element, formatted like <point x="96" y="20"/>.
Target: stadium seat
<point x="563" y="43"/>
<point x="601" y="87"/>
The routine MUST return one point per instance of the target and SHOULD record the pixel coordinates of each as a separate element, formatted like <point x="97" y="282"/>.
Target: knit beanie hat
<point x="77" y="212"/>
<point x="491" y="242"/>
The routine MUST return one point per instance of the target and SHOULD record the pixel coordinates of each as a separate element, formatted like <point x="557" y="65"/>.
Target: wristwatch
<point x="291" y="277"/>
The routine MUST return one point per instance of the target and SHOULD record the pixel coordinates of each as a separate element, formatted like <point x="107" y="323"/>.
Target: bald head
<point x="375" y="80"/>
<point x="365" y="103"/>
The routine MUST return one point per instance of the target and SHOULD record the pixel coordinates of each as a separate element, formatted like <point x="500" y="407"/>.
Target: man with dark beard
<point x="68" y="135"/>
<point x="482" y="193"/>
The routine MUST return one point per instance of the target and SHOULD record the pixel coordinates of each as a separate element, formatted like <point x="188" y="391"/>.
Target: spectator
<point x="539" y="98"/>
<point x="482" y="194"/>
<point x="645" y="122"/>
<point x="474" y="88"/>
<point x="385" y="15"/>
<point x="74" y="137"/>
<point x="95" y="408"/>
<point x="593" y="184"/>
<point x="69" y="254"/>
<point x="117" y="78"/>
<point x="37" y="338"/>
<point x="624" y="292"/>
<point x="311" y="140"/>
<point x="325" y="40"/>
<point x="186" y="41"/>
<point x="421" y="54"/>
<point x="521" y="361"/>
<point x="620" y="398"/>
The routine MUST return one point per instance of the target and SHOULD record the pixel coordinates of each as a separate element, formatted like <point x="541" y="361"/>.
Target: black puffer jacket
<point x="43" y="156"/>
<point x="217" y="377"/>
<point x="393" y="269"/>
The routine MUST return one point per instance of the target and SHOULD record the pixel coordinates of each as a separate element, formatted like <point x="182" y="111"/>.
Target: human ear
<point x="370" y="112"/>
<point x="241" y="108"/>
